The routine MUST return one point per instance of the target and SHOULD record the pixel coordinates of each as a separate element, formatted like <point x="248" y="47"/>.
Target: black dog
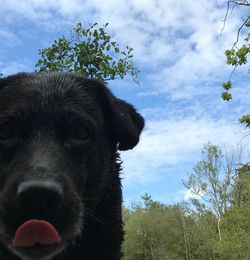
<point x="60" y="190"/>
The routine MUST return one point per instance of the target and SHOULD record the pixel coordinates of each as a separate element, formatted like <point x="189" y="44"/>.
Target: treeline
<point x="215" y="225"/>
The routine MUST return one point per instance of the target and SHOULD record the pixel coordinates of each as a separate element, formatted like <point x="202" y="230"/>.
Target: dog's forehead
<point x="48" y="92"/>
<point x="45" y="85"/>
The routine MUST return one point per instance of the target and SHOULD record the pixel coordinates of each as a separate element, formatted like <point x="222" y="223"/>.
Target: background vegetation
<point x="214" y="225"/>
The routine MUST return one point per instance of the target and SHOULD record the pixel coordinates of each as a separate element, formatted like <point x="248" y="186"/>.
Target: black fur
<point x="65" y="128"/>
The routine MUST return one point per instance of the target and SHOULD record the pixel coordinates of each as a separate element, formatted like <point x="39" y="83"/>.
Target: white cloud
<point x="185" y="195"/>
<point x="170" y="142"/>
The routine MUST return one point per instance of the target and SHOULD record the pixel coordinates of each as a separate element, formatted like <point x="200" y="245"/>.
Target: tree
<point x="154" y="231"/>
<point x="91" y="52"/>
<point x="212" y="180"/>
<point x="237" y="55"/>
<point x="241" y="189"/>
<point x="236" y="223"/>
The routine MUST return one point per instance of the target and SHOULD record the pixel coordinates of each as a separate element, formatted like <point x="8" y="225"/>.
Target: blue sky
<point x="180" y="52"/>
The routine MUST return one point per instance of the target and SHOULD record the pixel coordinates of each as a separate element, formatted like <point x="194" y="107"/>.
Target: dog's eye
<point x="77" y="135"/>
<point x="81" y="133"/>
<point x="7" y="133"/>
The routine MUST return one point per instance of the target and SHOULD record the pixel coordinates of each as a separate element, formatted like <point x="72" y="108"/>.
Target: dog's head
<point x="59" y="133"/>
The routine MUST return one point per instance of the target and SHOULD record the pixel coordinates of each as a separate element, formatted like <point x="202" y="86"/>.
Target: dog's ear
<point x="127" y="124"/>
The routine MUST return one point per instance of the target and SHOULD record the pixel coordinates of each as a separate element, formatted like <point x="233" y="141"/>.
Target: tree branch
<point x="239" y="30"/>
<point x="234" y="3"/>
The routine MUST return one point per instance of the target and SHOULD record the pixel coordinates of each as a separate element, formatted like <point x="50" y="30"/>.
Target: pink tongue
<point x="35" y="231"/>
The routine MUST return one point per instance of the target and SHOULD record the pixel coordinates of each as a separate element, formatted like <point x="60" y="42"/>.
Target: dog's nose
<point x="40" y="195"/>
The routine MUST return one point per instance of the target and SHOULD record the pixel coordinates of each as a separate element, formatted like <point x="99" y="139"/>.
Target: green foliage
<point x="237" y="55"/>
<point x="162" y="232"/>
<point x="245" y="120"/>
<point x="226" y="95"/>
<point x="91" y="52"/>
<point x="241" y="188"/>
<point x="155" y="231"/>
<point x="147" y="200"/>
<point x="206" y="181"/>
<point x="236" y="238"/>
<point x="227" y="85"/>
<point x="212" y="182"/>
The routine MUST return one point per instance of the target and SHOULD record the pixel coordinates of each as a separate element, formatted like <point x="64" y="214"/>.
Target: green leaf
<point x="247" y="24"/>
<point x="226" y="96"/>
<point x="245" y="120"/>
<point x="227" y="85"/>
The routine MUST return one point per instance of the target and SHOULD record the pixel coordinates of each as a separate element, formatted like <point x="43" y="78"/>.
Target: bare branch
<point x="239" y="30"/>
<point x="232" y="72"/>
<point x="225" y="18"/>
<point x="245" y="135"/>
<point x="234" y="4"/>
<point x="245" y="3"/>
